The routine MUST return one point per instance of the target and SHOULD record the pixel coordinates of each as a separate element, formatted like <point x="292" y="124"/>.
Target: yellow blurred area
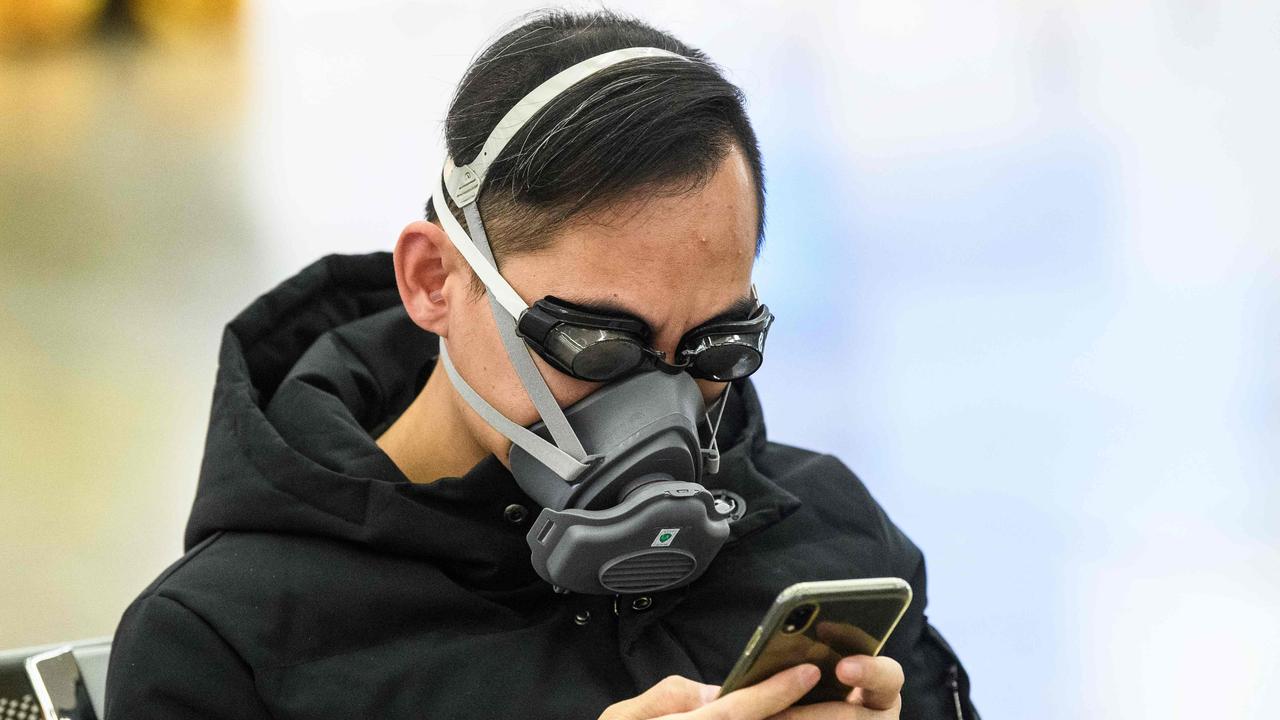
<point x="36" y="22"/>
<point x="120" y="202"/>
<point x="27" y="24"/>
<point x="177" y="20"/>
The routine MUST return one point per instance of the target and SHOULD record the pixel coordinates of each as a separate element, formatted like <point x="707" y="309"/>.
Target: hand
<point x="677" y="698"/>
<point x="877" y="692"/>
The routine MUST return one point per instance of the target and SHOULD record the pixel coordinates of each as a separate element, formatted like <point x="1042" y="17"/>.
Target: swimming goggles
<point x="600" y="347"/>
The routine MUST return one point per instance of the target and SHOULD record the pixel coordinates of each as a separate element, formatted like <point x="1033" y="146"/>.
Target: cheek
<point x="481" y="358"/>
<point x="566" y="389"/>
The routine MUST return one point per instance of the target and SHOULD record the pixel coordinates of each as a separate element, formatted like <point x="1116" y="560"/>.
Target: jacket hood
<point x="309" y="375"/>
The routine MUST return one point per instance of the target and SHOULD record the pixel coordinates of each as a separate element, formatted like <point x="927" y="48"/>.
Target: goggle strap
<point x="464" y="182"/>
<point x="501" y="292"/>
<point x="544" y="452"/>
<point x="477" y="234"/>
<point x="483" y="266"/>
<point x="534" y="384"/>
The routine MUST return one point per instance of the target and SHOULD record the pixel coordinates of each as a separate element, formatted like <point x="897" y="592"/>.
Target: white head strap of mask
<point x="566" y="457"/>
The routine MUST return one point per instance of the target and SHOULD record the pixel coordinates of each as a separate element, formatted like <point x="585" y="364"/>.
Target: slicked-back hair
<point x="647" y="126"/>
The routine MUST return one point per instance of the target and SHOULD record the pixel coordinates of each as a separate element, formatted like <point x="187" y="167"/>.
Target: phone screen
<point x="67" y="694"/>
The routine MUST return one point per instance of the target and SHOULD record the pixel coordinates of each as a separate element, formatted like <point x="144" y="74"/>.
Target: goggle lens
<point x="726" y="357"/>
<point x="594" y="354"/>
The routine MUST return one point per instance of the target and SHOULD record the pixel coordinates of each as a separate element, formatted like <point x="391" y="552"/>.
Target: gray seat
<point x="18" y="695"/>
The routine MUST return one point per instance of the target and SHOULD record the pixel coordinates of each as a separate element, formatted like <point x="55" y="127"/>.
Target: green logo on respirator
<point x="665" y="536"/>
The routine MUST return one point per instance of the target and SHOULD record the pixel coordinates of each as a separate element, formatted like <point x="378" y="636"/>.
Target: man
<point x="357" y="546"/>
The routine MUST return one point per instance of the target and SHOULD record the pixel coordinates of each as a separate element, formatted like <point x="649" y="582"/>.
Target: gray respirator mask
<point x="619" y="473"/>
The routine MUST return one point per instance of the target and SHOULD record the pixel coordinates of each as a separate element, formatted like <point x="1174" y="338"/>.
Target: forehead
<point x="669" y="259"/>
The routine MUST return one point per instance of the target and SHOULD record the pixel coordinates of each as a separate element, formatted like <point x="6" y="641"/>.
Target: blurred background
<point x="1025" y="257"/>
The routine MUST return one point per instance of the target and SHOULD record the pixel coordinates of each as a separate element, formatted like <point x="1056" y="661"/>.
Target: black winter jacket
<point x="318" y="582"/>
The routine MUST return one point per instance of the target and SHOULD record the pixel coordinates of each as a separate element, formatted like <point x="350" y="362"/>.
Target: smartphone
<point x="60" y="690"/>
<point x="820" y="623"/>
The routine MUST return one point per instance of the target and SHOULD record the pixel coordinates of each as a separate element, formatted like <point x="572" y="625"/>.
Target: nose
<point x="667" y="343"/>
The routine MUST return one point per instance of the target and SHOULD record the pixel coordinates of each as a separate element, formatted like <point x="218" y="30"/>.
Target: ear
<point x="428" y="273"/>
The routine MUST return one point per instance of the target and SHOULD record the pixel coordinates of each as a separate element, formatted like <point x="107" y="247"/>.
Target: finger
<point x="766" y="698"/>
<point x="878" y="678"/>
<point x="673" y="694"/>
<point x="822" y="711"/>
<point x="844" y="635"/>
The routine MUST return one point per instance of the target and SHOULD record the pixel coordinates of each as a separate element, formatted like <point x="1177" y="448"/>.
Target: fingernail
<point x="850" y="671"/>
<point x="709" y="693"/>
<point x="809" y="674"/>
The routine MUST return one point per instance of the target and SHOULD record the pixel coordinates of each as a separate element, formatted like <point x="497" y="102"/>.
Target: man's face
<point x="674" y="262"/>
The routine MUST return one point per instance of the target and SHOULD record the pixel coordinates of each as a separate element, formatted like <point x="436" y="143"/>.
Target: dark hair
<point x="661" y="125"/>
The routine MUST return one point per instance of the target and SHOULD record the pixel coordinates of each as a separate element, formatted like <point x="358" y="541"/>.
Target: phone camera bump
<point x="799" y="619"/>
